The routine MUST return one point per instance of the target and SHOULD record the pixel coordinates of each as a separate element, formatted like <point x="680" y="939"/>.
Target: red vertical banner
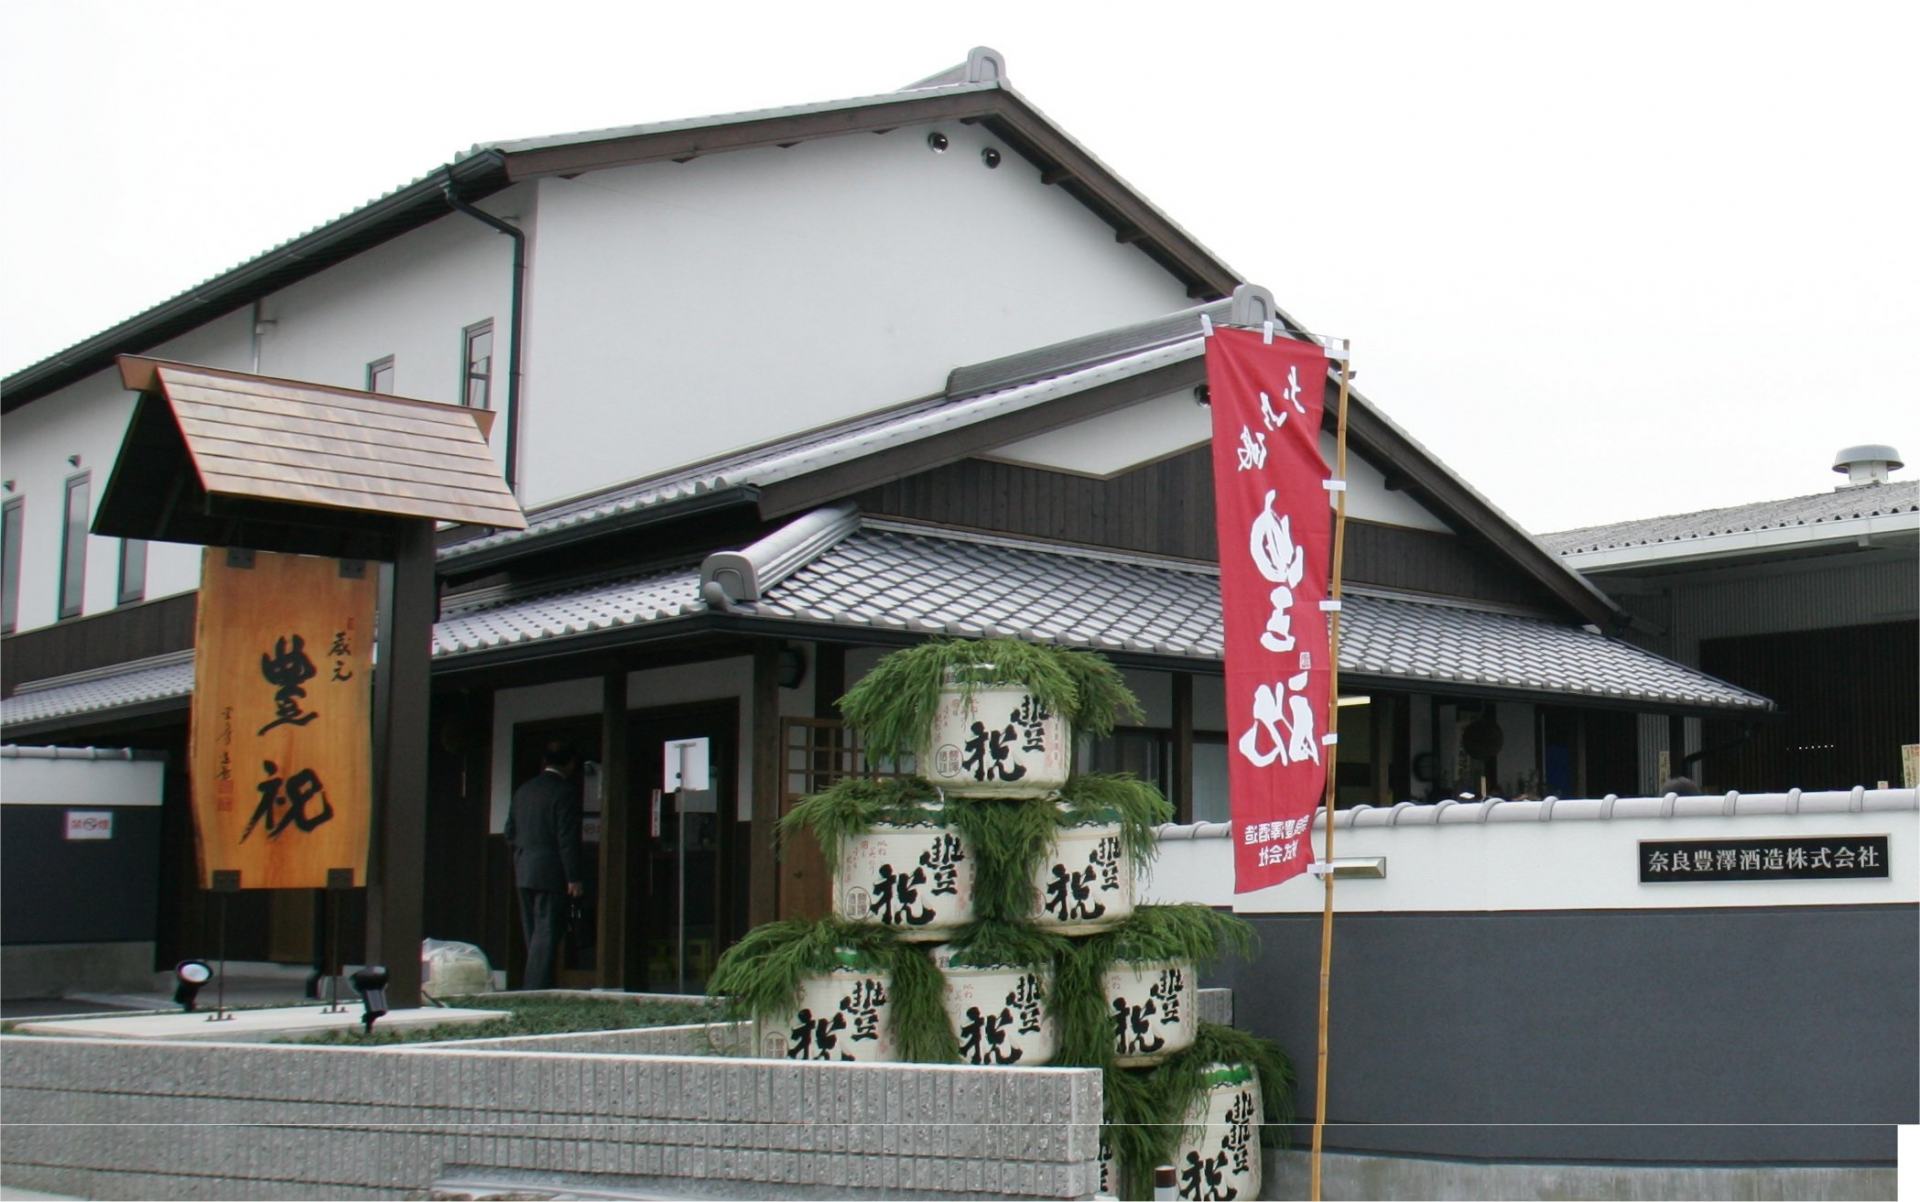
<point x="1276" y="555"/>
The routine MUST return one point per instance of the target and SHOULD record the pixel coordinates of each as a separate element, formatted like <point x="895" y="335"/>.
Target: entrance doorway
<point x="578" y="966"/>
<point x="662" y="924"/>
<point x="688" y="869"/>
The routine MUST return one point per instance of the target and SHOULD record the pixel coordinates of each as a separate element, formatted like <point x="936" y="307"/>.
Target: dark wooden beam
<point x="829" y="678"/>
<point x="402" y="690"/>
<point x="763" y="892"/>
<point x="1053" y="175"/>
<point x="1182" y="766"/>
<point x="616" y="827"/>
<point x="1129" y="234"/>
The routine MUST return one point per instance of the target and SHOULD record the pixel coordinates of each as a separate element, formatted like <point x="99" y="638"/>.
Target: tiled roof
<point x="892" y="577"/>
<point x="162" y="678"/>
<point x="1809" y="513"/>
<point x="583" y="609"/>
<point x="810" y="452"/>
<point x="902" y="579"/>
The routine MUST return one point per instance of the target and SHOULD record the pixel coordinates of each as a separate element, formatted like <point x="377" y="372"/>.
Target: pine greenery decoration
<point x="1122" y="798"/>
<point x="1144" y="1107"/>
<point x="892" y="707"/>
<point x="1007" y="840"/>
<point x="852" y="806"/>
<point x="1010" y="839"/>
<point x="1008" y="944"/>
<point x="760" y="975"/>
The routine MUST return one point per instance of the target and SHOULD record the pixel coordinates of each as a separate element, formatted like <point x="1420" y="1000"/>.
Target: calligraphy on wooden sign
<point x="282" y="748"/>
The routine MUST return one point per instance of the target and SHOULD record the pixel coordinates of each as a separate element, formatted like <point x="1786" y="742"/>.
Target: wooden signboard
<point x="282" y="751"/>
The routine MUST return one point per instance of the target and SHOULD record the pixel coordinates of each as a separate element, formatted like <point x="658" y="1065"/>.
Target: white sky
<point x="1608" y="261"/>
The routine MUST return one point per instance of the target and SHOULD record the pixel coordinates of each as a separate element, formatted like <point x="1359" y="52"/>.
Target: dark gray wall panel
<point x="56" y="890"/>
<point x="1702" y="1036"/>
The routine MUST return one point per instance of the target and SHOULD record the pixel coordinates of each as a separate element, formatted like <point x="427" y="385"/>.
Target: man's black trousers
<point x="543" y="919"/>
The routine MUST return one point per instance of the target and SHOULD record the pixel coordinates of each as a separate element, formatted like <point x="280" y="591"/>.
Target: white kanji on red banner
<point x="1275" y="536"/>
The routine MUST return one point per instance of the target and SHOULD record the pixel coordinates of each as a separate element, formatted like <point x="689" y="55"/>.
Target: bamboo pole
<point x="1333" y="764"/>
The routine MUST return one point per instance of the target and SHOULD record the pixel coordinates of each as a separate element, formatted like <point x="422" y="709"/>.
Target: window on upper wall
<point x="380" y="375"/>
<point x="133" y="571"/>
<point x="10" y="519"/>
<point x="73" y="546"/>
<point x="476" y="390"/>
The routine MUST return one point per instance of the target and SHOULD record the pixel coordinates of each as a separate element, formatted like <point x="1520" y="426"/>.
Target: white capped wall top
<point x="1868" y="463"/>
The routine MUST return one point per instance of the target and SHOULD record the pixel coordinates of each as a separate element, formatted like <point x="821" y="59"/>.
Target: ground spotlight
<point x="371" y="984"/>
<point x="190" y="975"/>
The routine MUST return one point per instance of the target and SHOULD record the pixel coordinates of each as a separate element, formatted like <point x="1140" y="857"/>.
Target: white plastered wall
<point x="410" y="298"/>
<point x="89" y="419"/>
<point x="1515" y="861"/>
<point x="758" y="293"/>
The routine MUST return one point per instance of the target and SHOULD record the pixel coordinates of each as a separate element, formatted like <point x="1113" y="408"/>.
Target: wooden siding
<point x="1847" y="704"/>
<point x="1166" y="508"/>
<point x="113" y="637"/>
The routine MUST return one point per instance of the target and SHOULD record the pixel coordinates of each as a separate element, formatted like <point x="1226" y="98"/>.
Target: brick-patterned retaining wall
<point x="696" y="1039"/>
<point x="160" y="1120"/>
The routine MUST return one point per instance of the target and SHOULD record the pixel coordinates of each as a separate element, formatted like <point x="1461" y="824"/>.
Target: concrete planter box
<point x="127" y="1119"/>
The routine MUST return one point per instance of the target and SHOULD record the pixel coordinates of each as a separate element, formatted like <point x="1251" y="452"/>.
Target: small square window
<point x="380" y="375"/>
<point x="476" y="390"/>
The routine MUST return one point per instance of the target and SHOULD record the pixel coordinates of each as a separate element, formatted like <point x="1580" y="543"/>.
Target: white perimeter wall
<point x="1442" y="858"/>
<point x="686" y="309"/>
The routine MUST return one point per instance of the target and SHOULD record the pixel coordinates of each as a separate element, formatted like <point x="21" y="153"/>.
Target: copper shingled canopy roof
<point x="223" y="457"/>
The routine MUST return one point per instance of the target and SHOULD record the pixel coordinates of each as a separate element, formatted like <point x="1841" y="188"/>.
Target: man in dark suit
<point x="543" y="828"/>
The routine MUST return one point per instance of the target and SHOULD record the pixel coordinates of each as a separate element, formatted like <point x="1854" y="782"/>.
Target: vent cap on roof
<point x="1867" y="464"/>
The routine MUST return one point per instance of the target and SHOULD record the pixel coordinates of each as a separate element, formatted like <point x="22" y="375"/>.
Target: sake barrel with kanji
<point x="998" y="1012"/>
<point x="844" y="1014"/>
<point x="1150" y="1009"/>
<point x="916" y="878"/>
<point x="1085" y="882"/>
<point x="1219" y="1152"/>
<point x="995" y="740"/>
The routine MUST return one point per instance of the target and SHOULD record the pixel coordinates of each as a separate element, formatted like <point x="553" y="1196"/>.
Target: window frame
<point x="13" y="526"/>
<point x="468" y="376"/>
<point x="132" y="586"/>
<point x="374" y="368"/>
<point x="72" y="598"/>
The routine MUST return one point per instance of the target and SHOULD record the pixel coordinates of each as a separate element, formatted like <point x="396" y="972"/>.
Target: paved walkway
<point x="248" y="985"/>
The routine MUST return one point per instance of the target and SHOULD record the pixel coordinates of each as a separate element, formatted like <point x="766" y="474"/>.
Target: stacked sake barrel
<point x="1001" y="884"/>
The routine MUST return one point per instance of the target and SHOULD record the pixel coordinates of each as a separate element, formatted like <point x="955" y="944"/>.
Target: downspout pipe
<point x="514" y="320"/>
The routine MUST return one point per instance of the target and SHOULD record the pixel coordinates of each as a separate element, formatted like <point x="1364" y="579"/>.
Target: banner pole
<point x="1333" y="764"/>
